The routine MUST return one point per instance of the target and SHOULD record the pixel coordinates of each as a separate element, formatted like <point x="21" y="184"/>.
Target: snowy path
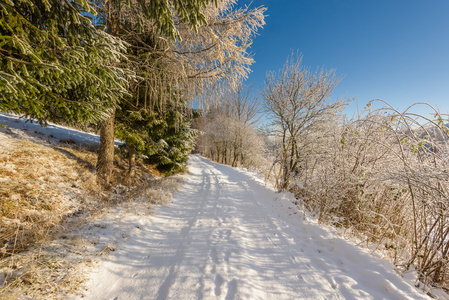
<point x="225" y="237"/>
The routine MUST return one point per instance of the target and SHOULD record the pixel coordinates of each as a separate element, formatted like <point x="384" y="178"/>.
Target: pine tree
<point x="174" y="138"/>
<point x="55" y="64"/>
<point x="161" y="131"/>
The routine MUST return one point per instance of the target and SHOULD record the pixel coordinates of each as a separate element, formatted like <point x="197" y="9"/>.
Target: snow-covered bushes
<point x="386" y="175"/>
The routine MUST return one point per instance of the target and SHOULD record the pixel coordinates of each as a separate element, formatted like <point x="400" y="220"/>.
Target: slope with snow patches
<point x="227" y="236"/>
<point x="32" y="130"/>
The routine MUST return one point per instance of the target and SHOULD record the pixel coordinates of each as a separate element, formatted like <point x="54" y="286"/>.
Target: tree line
<point x="129" y="67"/>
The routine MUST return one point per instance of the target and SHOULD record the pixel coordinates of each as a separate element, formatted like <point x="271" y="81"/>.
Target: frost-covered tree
<point x="229" y="133"/>
<point x="55" y="64"/>
<point x="196" y="57"/>
<point x="298" y="102"/>
<point x="226" y="140"/>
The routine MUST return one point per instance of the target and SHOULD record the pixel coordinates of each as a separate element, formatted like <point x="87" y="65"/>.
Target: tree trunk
<point x="105" y="162"/>
<point x="281" y="185"/>
<point x="131" y="161"/>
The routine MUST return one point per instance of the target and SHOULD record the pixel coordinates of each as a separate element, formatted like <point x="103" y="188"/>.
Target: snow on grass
<point x="47" y="176"/>
<point x="32" y="130"/>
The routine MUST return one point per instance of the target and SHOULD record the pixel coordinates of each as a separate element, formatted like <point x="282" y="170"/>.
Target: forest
<point x="167" y="78"/>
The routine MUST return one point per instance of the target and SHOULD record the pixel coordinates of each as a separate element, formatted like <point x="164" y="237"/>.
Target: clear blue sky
<point x="396" y="50"/>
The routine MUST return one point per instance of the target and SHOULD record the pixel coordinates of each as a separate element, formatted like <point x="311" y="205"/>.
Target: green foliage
<point x="179" y="140"/>
<point x="54" y="64"/>
<point x="163" y="136"/>
<point x="161" y="14"/>
<point x="132" y="126"/>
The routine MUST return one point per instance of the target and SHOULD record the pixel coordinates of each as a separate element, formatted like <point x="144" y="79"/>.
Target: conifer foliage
<point x="163" y="136"/>
<point x="135" y="21"/>
<point x="54" y="64"/>
<point x="175" y="138"/>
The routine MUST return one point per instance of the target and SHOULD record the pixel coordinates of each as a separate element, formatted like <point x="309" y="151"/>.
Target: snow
<point x="32" y="130"/>
<point x="227" y="236"/>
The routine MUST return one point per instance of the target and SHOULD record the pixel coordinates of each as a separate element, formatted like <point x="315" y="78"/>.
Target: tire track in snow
<point x="186" y="232"/>
<point x="219" y="255"/>
<point x="270" y="236"/>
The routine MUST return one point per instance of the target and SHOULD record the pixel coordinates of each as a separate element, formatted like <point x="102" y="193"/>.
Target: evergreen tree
<point x="140" y="119"/>
<point x="177" y="138"/>
<point x="54" y="64"/>
<point x="163" y="136"/>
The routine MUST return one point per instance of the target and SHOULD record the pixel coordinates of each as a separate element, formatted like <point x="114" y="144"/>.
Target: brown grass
<point x="39" y="186"/>
<point x="47" y="191"/>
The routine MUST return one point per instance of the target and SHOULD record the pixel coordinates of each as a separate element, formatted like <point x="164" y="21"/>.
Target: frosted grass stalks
<point x="385" y="175"/>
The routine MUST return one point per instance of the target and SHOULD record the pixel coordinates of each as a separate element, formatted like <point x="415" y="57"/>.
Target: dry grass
<point x="47" y="272"/>
<point x="45" y="192"/>
<point x="39" y="186"/>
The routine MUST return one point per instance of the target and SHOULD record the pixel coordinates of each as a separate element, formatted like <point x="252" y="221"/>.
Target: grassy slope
<point x="47" y="190"/>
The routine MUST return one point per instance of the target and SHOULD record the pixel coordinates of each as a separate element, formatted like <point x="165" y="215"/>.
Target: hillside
<point x="47" y="192"/>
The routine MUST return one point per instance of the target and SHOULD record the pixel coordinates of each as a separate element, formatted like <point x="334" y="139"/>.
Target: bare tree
<point x="242" y="104"/>
<point x="298" y="102"/>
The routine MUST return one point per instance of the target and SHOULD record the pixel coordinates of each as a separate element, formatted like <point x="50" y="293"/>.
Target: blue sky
<point x="395" y="50"/>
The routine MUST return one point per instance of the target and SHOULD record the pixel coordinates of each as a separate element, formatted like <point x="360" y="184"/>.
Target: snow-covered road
<point x="227" y="236"/>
